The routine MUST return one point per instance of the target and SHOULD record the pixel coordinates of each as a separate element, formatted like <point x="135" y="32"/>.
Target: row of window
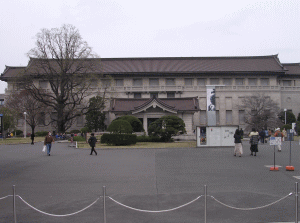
<point x="136" y="82"/>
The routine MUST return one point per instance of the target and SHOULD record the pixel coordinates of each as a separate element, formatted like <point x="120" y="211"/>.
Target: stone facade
<point x="233" y="77"/>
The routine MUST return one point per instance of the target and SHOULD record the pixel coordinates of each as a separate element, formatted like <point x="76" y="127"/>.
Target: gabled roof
<point x="168" y="65"/>
<point x="173" y="105"/>
<point x="292" y="68"/>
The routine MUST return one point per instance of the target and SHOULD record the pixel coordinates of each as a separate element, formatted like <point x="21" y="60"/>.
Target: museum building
<point x="150" y="88"/>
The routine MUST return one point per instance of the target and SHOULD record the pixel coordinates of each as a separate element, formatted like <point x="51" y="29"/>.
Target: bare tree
<point x="261" y="112"/>
<point x="22" y="102"/>
<point x="67" y="66"/>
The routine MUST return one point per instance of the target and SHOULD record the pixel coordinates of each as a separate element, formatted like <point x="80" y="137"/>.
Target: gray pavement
<point x="151" y="179"/>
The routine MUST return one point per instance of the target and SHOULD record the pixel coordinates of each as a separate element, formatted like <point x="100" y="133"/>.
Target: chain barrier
<point x="149" y="211"/>
<point x="56" y="215"/>
<point x="5" y="197"/>
<point x="249" y="209"/>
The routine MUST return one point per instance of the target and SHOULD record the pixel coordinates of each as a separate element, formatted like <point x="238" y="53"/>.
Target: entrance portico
<point x="149" y="109"/>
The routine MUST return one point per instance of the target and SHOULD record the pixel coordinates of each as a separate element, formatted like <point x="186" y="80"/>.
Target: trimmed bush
<point x="286" y="127"/>
<point x="120" y="127"/>
<point x="42" y="133"/>
<point x="149" y="139"/>
<point x="85" y="130"/>
<point x="135" y="123"/>
<point x="78" y="139"/>
<point x="119" y="139"/>
<point x="19" y="132"/>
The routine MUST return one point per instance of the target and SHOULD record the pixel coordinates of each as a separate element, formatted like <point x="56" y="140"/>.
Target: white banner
<point x="275" y="141"/>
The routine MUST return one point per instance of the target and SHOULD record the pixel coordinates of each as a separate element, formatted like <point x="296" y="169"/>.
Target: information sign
<point x="275" y="141"/>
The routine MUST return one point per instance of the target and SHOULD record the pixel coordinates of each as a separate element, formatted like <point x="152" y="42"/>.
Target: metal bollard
<point x="14" y="204"/>
<point x="296" y="201"/>
<point x="104" y="204"/>
<point x="205" y="202"/>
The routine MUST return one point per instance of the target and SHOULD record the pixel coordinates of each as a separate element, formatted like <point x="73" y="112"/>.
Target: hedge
<point x="149" y="139"/>
<point x="118" y="139"/>
<point x="42" y="133"/>
<point x="79" y="139"/>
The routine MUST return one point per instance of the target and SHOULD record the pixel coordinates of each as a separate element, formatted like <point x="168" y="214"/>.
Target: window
<point x="188" y="81"/>
<point x="201" y="81"/>
<point x="137" y="82"/>
<point x="203" y="117"/>
<point x="137" y="95"/>
<point x="170" y="94"/>
<point x="170" y="81"/>
<point x="228" y="116"/>
<point x="227" y="81"/>
<point x="286" y="83"/>
<point x="41" y="118"/>
<point x="242" y="117"/>
<point x="43" y="84"/>
<point x="119" y="82"/>
<point x="264" y="81"/>
<point x="106" y="83"/>
<point x="152" y="95"/>
<point x="153" y="82"/>
<point x="252" y="81"/>
<point x="79" y="120"/>
<point x="94" y="83"/>
<point x="239" y="81"/>
<point x="1" y="101"/>
<point x="214" y="81"/>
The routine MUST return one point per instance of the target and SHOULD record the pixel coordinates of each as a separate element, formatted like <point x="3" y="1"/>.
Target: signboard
<point x="215" y="135"/>
<point x="275" y="141"/>
<point x="290" y="135"/>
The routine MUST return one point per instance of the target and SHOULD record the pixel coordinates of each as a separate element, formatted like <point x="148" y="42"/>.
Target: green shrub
<point x="79" y="139"/>
<point x="166" y="127"/>
<point x="118" y="139"/>
<point x="148" y="139"/>
<point x="42" y="133"/>
<point x="19" y="132"/>
<point x="120" y="127"/>
<point x="135" y="123"/>
<point x="85" y="130"/>
<point x="287" y="126"/>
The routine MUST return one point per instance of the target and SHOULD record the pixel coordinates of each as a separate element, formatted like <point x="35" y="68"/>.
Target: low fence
<point x="105" y="197"/>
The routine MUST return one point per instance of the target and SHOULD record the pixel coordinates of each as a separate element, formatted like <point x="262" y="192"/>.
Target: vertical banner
<point x="1" y="125"/>
<point x="211" y="105"/>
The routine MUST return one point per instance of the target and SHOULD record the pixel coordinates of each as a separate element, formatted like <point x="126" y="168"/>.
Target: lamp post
<point x="25" y="125"/>
<point x="285" y="115"/>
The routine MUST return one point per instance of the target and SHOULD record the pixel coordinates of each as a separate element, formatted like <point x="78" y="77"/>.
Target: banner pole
<point x="296" y="201"/>
<point x="205" y="202"/>
<point x="104" y="204"/>
<point x="14" y="204"/>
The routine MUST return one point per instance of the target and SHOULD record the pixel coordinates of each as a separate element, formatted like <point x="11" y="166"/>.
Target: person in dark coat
<point x="32" y="138"/>
<point x="262" y="135"/>
<point x="238" y="149"/>
<point x="92" y="141"/>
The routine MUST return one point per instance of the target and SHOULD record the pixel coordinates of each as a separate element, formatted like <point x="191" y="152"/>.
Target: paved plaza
<point x="148" y="179"/>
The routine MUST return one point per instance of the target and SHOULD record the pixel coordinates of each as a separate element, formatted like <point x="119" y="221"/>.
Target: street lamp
<point x="25" y="125"/>
<point x="285" y="115"/>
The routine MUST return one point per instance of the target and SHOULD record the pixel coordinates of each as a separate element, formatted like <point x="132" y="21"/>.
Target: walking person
<point x="284" y="133"/>
<point x="278" y="134"/>
<point x="32" y="138"/>
<point x="48" y="142"/>
<point x="253" y="142"/>
<point x="238" y="149"/>
<point x="92" y="141"/>
<point x="262" y="136"/>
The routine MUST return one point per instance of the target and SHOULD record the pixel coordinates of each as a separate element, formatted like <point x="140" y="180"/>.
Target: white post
<point x="104" y="204"/>
<point x="285" y="115"/>
<point x="14" y="204"/>
<point x="25" y="125"/>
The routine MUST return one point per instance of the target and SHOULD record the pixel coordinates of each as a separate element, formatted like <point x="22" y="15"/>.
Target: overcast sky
<point x="156" y="28"/>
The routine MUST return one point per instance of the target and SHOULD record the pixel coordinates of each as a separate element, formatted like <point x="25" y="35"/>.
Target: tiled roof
<point x="174" y="65"/>
<point x="132" y="104"/>
<point x="192" y="64"/>
<point x="13" y="71"/>
<point x="292" y="68"/>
